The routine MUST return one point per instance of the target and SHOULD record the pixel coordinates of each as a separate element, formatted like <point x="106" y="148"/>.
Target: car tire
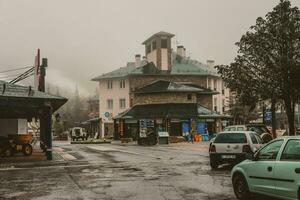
<point x="27" y="149"/>
<point x="214" y="164"/>
<point x="240" y="187"/>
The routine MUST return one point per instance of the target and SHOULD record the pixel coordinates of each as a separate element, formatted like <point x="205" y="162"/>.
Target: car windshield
<point x="77" y="131"/>
<point x="231" y="138"/>
<point x="258" y="129"/>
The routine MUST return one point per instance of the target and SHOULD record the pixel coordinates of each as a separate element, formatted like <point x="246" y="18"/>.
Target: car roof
<point x="235" y="126"/>
<point x="288" y="137"/>
<point x="246" y="132"/>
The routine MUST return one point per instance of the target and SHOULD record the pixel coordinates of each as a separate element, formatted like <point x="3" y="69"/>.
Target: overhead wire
<point x="23" y="76"/>
<point x="16" y="69"/>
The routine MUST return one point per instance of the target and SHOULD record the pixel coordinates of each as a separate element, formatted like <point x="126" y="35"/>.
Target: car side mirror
<point x="255" y="156"/>
<point x="249" y="156"/>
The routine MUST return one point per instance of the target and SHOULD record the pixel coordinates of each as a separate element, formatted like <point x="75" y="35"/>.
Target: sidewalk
<point x="37" y="159"/>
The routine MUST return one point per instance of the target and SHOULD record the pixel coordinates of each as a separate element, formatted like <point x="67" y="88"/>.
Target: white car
<point x="78" y="133"/>
<point x="260" y="129"/>
<point x="232" y="146"/>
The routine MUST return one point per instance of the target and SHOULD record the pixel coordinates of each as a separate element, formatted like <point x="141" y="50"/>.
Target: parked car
<point x="260" y="129"/>
<point x="232" y="146"/>
<point x="274" y="170"/>
<point x="78" y="133"/>
<point x="6" y="147"/>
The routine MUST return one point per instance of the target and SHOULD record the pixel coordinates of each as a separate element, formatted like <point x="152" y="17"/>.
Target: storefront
<point x="171" y="118"/>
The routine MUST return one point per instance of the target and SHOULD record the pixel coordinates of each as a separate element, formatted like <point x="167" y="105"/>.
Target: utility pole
<point x="41" y="86"/>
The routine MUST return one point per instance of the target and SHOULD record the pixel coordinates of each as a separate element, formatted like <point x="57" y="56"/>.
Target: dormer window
<point x="153" y="45"/>
<point x="148" y="48"/>
<point x="164" y="43"/>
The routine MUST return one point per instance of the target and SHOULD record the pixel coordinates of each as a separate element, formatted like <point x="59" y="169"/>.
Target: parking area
<point x="117" y="171"/>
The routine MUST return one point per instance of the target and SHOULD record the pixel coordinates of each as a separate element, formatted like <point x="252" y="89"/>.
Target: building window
<point x="164" y="43"/>
<point x="153" y="45"/>
<point x="122" y="103"/>
<point x="215" y="85"/>
<point x="131" y="102"/>
<point x="215" y="104"/>
<point x="148" y="48"/>
<point x="223" y="88"/>
<point x="208" y="83"/>
<point x="122" y="84"/>
<point x="189" y="97"/>
<point x="223" y="105"/>
<point x="109" y="84"/>
<point x="110" y="104"/>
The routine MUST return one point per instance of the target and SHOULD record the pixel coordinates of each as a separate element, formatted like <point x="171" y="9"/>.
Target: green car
<point x="274" y="170"/>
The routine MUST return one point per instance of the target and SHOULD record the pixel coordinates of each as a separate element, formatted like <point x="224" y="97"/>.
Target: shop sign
<point x="146" y="123"/>
<point x="163" y="134"/>
<point x="130" y="121"/>
<point x="175" y="120"/>
<point x="143" y="133"/>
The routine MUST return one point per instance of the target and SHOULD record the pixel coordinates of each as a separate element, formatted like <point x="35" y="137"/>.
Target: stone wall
<point x="205" y="101"/>
<point x="163" y="98"/>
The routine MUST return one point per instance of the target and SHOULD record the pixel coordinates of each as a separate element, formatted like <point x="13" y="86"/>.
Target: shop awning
<point x="205" y="113"/>
<point x="154" y="111"/>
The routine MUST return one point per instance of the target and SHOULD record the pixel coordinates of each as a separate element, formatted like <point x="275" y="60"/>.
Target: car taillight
<point x="246" y="148"/>
<point x="212" y="148"/>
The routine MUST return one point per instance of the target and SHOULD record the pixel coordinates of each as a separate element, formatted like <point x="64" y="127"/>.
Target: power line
<point x="23" y="76"/>
<point x="10" y="75"/>
<point x="16" y="69"/>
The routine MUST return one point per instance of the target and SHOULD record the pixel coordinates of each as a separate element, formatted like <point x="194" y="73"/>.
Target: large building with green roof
<point x="161" y="62"/>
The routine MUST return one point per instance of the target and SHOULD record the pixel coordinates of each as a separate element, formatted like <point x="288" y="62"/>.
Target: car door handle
<point x="297" y="170"/>
<point x="269" y="169"/>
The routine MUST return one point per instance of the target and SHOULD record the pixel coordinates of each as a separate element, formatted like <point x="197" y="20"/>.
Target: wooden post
<point x="46" y="131"/>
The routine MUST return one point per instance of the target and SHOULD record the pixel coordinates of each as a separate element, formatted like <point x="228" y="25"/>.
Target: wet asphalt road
<point x="116" y="172"/>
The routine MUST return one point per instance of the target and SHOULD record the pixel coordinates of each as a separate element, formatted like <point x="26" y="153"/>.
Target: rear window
<point x="231" y="138"/>
<point x="230" y="129"/>
<point x="240" y="128"/>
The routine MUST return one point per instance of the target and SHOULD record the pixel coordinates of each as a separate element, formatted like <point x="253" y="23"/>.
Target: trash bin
<point x="163" y="137"/>
<point x="205" y="137"/>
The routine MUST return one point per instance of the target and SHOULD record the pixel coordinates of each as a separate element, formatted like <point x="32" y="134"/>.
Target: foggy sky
<point x="85" y="38"/>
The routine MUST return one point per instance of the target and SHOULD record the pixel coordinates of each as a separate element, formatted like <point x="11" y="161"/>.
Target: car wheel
<point x="214" y="164"/>
<point x="27" y="149"/>
<point x="240" y="187"/>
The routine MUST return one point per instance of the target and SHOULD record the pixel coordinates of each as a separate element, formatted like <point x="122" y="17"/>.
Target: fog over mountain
<point x="85" y="38"/>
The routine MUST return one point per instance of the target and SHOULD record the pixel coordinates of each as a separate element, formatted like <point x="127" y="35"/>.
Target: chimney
<point x="211" y="63"/>
<point x="181" y="51"/>
<point x="137" y="60"/>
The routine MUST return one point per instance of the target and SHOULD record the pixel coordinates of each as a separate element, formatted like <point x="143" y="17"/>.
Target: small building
<point x="21" y="104"/>
<point x="176" y="108"/>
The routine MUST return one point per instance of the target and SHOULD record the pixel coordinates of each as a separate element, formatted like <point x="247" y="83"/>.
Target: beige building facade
<point x="116" y="88"/>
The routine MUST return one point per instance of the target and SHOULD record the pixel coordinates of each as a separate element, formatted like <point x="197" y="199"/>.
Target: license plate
<point x="228" y="156"/>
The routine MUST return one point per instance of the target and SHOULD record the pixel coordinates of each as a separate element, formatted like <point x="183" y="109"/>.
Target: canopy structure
<point x="205" y="113"/>
<point x="153" y="111"/>
<point x="18" y="101"/>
